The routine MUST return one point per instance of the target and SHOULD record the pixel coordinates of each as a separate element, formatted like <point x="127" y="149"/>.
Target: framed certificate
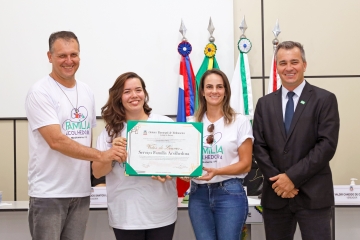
<point x="164" y="148"/>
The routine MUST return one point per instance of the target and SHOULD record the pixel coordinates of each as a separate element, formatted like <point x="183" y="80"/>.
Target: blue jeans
<point x="58" y="218"/>
<point x="218" y="210"/>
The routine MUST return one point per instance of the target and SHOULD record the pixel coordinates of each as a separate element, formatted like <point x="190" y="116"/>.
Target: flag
<point x="241" y="90"/>
<point x="208" y="63"/>
<point x="186" y="99"/>
<point x="274" y="79"/>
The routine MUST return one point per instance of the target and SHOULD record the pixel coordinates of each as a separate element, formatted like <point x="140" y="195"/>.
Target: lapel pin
<point x="302" y="102"/>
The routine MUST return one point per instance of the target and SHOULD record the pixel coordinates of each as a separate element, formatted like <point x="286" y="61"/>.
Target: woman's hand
<point x="210" y="173"/>
<point x="119" y="141"/>
<point x="186" y="179"/>
<point x="161" y="179"/>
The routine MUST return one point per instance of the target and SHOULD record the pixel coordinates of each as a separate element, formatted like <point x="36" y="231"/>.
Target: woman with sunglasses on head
<point x="218" y="204"/>
<point x="140" y="208"/>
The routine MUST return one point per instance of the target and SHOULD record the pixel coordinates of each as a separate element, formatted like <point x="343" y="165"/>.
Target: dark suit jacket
<point x="305" y="153"/>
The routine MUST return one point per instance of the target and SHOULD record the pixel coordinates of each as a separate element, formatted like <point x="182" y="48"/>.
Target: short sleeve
<point x="244" y="130"/>
<point x="40" y="110"/>
<point x="103" y="141"/>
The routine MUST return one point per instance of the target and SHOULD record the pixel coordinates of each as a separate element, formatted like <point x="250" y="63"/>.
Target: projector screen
<point x="115" y="36"/>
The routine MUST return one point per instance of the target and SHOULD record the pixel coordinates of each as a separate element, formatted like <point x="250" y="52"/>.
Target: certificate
<point x="164" y="148"/>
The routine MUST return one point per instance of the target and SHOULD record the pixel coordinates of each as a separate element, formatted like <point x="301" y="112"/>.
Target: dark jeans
<point x="163" y="233"/>
<point x="218" y="211"/>
<point x="58" y="218"/>
<point x="280" y="224"/>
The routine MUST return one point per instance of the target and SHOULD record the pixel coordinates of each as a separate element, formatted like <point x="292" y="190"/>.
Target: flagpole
<point x="241" y="90"/>
<point x="211" y="30"/>
<point x="209" y="61"/>
<point x="274" y="79"/>
<point x="276" y="32"/>
<point x="186" y="98"/>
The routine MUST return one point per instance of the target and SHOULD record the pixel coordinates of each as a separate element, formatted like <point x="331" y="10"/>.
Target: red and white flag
<point x="274" y="80"/>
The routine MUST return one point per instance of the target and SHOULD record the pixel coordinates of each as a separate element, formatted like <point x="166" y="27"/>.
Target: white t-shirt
<point x="224" y="150"/>
<point x="52" y="174"/>
<point x="138" y="202"/>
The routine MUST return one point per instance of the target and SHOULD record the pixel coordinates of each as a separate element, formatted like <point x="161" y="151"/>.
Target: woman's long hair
<point x="229" y="113"/>
<point x="113" y="112"/>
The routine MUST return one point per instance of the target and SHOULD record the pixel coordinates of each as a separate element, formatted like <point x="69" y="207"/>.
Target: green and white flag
<point x="241" y="91"/>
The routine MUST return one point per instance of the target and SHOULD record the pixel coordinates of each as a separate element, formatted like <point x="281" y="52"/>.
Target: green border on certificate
<point x="164" y="148"/>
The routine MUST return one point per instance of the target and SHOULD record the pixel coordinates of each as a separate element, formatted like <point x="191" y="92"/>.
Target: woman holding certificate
<point x="218" y="204"/>
<point x="140" y="208"/>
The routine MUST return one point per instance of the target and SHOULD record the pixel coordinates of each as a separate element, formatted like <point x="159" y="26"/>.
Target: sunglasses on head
<point x="210" y="138"/>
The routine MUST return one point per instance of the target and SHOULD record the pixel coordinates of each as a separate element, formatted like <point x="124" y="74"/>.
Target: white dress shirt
<point x="284" y="98"/>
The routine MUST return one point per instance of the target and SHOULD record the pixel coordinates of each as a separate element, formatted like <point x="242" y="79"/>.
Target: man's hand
<point x="290" y="194"/>
<point x="117" y="152"/>
<point x="283" y="185"/>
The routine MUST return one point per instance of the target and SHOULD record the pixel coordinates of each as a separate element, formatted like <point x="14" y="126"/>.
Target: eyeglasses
<point x="210" y="138"/>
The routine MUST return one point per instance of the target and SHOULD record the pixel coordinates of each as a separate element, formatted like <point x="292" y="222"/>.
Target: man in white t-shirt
<point x="61" y="115"/>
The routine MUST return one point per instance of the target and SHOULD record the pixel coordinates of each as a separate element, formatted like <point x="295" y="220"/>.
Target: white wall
<point x="116" y="36"/>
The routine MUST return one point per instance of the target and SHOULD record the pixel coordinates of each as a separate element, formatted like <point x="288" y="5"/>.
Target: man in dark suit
<point x="296" y="132"/>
